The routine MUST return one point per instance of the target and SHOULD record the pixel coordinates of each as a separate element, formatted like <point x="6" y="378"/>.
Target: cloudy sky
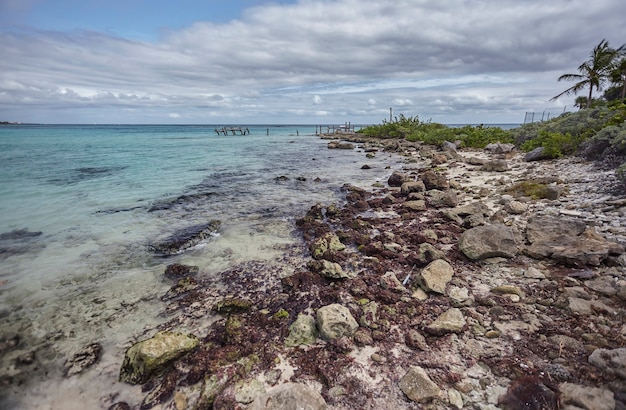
<point x="294" y="61"/>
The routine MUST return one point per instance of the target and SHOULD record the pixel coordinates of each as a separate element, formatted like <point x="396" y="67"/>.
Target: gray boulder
<point x="418" y="386"/>
<point x="489" y="241"/>
<point x="611" y="361"/>
<point x="568" y="241"/>
<point x="436" y="276"/>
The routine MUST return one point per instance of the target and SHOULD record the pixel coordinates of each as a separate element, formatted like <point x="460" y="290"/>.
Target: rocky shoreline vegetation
<point x="479" y="280"/>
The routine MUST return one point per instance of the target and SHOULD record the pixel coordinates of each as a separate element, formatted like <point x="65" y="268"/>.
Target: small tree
<point x="593" y="72"/>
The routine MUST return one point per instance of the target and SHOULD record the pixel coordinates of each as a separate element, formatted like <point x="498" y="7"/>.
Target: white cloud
<point x="448" y="60"/>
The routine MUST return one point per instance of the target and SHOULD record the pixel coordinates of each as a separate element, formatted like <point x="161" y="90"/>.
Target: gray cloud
<point x="455" y="61"/>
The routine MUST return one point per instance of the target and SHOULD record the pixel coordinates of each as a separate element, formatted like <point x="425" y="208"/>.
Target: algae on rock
<point x="150" y="357"/>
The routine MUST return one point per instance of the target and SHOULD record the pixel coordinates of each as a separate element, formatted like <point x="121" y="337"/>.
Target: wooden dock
<point x="233" y="130"/>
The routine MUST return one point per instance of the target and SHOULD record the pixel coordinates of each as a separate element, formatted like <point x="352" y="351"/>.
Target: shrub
<point x="411" y="129"/>
<point x="554" y="144"/>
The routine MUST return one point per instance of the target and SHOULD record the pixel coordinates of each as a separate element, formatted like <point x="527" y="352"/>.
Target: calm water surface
<point x="80" y="205"/>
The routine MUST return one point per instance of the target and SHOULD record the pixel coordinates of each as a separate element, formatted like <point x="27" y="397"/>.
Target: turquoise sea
<point x="80" y="206"/>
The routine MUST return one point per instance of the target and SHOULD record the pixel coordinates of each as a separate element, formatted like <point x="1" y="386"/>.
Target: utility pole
<point x="390" y="114"/>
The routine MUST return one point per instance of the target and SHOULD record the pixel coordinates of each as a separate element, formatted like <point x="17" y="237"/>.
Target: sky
<point x="295" y="61"/>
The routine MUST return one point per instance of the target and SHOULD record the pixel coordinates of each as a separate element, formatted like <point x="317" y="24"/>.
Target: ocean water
<point x="80" y="206"/>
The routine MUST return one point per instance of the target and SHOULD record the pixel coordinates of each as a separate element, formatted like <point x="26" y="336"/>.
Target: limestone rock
<point x="329" y="269"/>
<point x="397" y="179"/>
<point x="586" y="397"/>
<point x="328" y="242"/>
<point x="515" y="207"/>
<point x="488" y="241"/>
<point x="390" y="281"/>
<point x="434" y="180"/>
<point x="442" y="199"/>
<point x="611" y="361"/>
<point x="289" y="396"/>
<point x="436" y="276"/>
<point x="149" y="357"/>
<point x="418" y="386"/>
<point x="417" y="205"/>
<point x="450" y="321"/>
<point x="567" y="241"/>
<point x="499" y="148"/>
<point x="537" y="154"/>
<point x="335" y="321"/>
<point x="498" y="165"/>
<point x="412" y="186"/>
<point x="302" y="331"/>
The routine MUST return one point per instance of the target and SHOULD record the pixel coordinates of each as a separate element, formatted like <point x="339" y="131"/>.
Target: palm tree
<point x="618" y="76"/>
<point x="593" y="72"/>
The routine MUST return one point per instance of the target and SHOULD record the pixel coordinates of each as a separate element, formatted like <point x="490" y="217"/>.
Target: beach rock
<point x="567" y="241"/>
<point x="302" y="331"/>
<point x="340" y="145"/>
<point x="397" y="179"/>
<point x="611" y="361"/>
<point x="498" y="165"/>
<point x="538" y="154"/>
<point x="84" y="358"/>
<point x="370" y="315"/>
<point x="325" y="243"/>
<point x="515" y="207"/>
<point x="499" y="148"/>
<point x="436" y="276"/>
<point x="441" y="199"/>
<point x="335" y="321"/>
<point x="488" y="241"/>
<point x="331" y="270"/>
<point x="586" y="397"/>
<point x="412" y="186"/>
<point x="528" y="393"/>
<point x="434" y="180"/>
<point x="389" y="281"/>
<point x="416" y="205"/>
<point x="177" y="271"/>
<point x="418" y="386"/>
<point x="450" y="321"/>
<point x="289" y="396"/>
<point x="185" y="238"/>
<point x="148" y="358"/>
<point x="548" y="228"/>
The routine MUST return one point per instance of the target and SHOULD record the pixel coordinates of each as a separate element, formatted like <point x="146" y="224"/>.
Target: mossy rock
<point x="148" y="358"/>
<point x="232" y="305"/>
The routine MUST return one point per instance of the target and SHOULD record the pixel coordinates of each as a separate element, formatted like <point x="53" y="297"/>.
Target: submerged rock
<point x="177" y="271"/>
<point x="148" y="358"/>
<point x="185" y="238"/>
<point x="84" y="358"/>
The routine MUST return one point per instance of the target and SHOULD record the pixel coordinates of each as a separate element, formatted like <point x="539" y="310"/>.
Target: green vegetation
<point x="411" y="129"/>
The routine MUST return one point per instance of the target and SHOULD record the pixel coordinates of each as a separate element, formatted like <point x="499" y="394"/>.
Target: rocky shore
<point x="478" y="280"/>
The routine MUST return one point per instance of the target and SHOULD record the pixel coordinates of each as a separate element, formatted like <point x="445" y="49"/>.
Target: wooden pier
<point x="335" y="129"/>
<point x="233" y="130"/>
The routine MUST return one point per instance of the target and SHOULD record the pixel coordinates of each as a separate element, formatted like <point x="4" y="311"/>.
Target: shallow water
<point x="80" y="205"/>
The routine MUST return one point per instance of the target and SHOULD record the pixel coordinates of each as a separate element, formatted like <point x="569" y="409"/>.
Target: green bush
<point x="554" y="144"/>
<point x="411" y="129"/>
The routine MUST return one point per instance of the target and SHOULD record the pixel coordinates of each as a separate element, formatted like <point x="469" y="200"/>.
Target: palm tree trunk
<point x="589" y="98"/>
